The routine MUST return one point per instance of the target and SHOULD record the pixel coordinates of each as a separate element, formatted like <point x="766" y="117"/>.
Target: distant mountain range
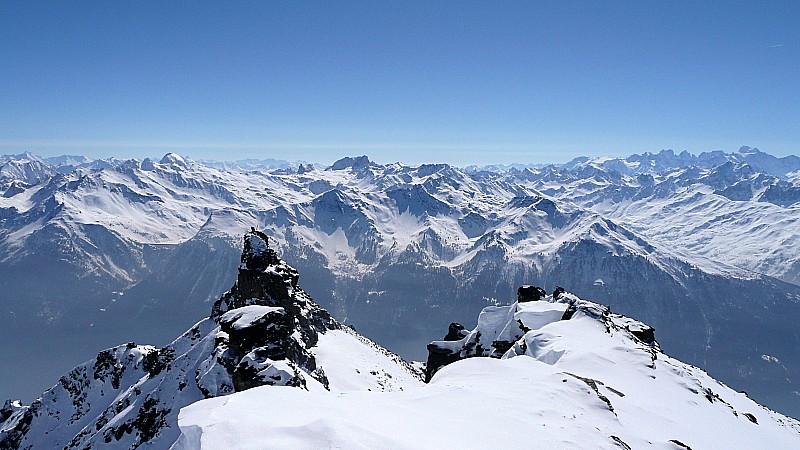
<point x="703" y="248"/>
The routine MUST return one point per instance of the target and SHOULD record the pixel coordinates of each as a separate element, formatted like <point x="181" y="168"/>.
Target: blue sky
<point x="428" y="81"/>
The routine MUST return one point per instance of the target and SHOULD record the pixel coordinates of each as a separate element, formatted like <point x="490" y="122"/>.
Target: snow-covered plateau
<point x="703" y="248"/>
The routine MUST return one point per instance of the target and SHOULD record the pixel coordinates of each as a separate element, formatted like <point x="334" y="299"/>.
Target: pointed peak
<point x="148" y="165"/>
<point x="173" y="159"/>
<point x="257" y="255"/>
<point x="264" y="279"/>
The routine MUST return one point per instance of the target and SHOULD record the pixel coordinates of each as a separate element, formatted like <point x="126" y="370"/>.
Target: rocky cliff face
<point x="264" y="331"/>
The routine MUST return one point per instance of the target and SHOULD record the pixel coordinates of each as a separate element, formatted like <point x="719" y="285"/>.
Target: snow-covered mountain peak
<point x="665" y="160"/>
<point x="266" y="280"/>
<point x="501" y="329"/>
<point x="358" y="162"/>
<point x="25" y="168"/>
<point x="623" y="368"/>
<point x="173" y="159"/>
<point x="265" y="331"/>
<point x="393" y="241"/>
<point x="257" y="256"/>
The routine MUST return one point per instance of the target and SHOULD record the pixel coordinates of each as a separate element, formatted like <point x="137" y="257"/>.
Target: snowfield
<point x="576" y="386"/>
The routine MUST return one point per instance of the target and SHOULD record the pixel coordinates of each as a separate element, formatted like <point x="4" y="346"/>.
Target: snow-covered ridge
<point x="544" y="372"/>
<point x="264" y="331"/>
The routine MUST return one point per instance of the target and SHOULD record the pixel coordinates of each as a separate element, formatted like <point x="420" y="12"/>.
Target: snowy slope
<point x="264" y="331"/>
<point x="730" y="215"/>
<point x="574" y="376"/>
<point x="21" y="171"/>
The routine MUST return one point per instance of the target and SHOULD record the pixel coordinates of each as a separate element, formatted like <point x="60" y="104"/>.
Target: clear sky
<point x="457" y="82"/>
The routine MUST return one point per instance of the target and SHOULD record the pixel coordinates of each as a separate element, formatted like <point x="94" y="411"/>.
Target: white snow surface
<point x="247" y="316"/>
<point x="88" y="409"/>
<point x="578" y="383"/>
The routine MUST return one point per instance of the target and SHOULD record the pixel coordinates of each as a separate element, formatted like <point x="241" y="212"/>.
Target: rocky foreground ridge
<point x="548" y="371"/>
<point x="264" y="331"/>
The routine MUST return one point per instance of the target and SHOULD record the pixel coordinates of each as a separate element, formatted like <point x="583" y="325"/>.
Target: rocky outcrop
<point x="501" y="330"/>
<point x="358" y="162"/>
<point x="267" y="323"/>
<point x="530" y="294"/>
<point x="264" y="331"/>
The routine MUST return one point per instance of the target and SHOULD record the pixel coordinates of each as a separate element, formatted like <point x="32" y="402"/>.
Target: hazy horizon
<point x="356" y="152"/>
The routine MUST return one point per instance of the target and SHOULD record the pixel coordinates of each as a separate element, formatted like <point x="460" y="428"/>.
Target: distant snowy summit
<point x="271" y="369"/>
<point x="669" y="160"/>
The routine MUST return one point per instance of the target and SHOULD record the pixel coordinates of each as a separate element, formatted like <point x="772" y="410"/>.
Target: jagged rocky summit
<point x="265" y="331"/>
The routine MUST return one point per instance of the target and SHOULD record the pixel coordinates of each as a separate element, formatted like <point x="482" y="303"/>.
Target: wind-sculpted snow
<point x="264" y="331"/>
<point x="557" y="372"/>
<point x="134" y="250"/>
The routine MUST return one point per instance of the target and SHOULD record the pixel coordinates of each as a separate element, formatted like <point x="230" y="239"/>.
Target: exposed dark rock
<point x="438" y="357"/>
<point x="356" y="163"/>
<point x="106" y="365"/>
<point x="593" y="386"/>
<point x="266" y="335"/>
<point x="502" y="346"/>
<point x="558" y="291"/>
<point x="456" y="332"/>
<point x="620" y="443"/>
<point x="158" y="360"/>
<point x="14" y="189"/>
<point x="150" y="419"/>
<point x="751" y="418"/>
<point x="710" y="395"/>
<point x="680" y="444"/>
<point x="9" y="407"/>
<point x="646" y="334"/>
<point x="13" y="438"/>
<point x="271" y="331"/>
<point x="530" y="294"/>
<point x="569" y="312"/>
